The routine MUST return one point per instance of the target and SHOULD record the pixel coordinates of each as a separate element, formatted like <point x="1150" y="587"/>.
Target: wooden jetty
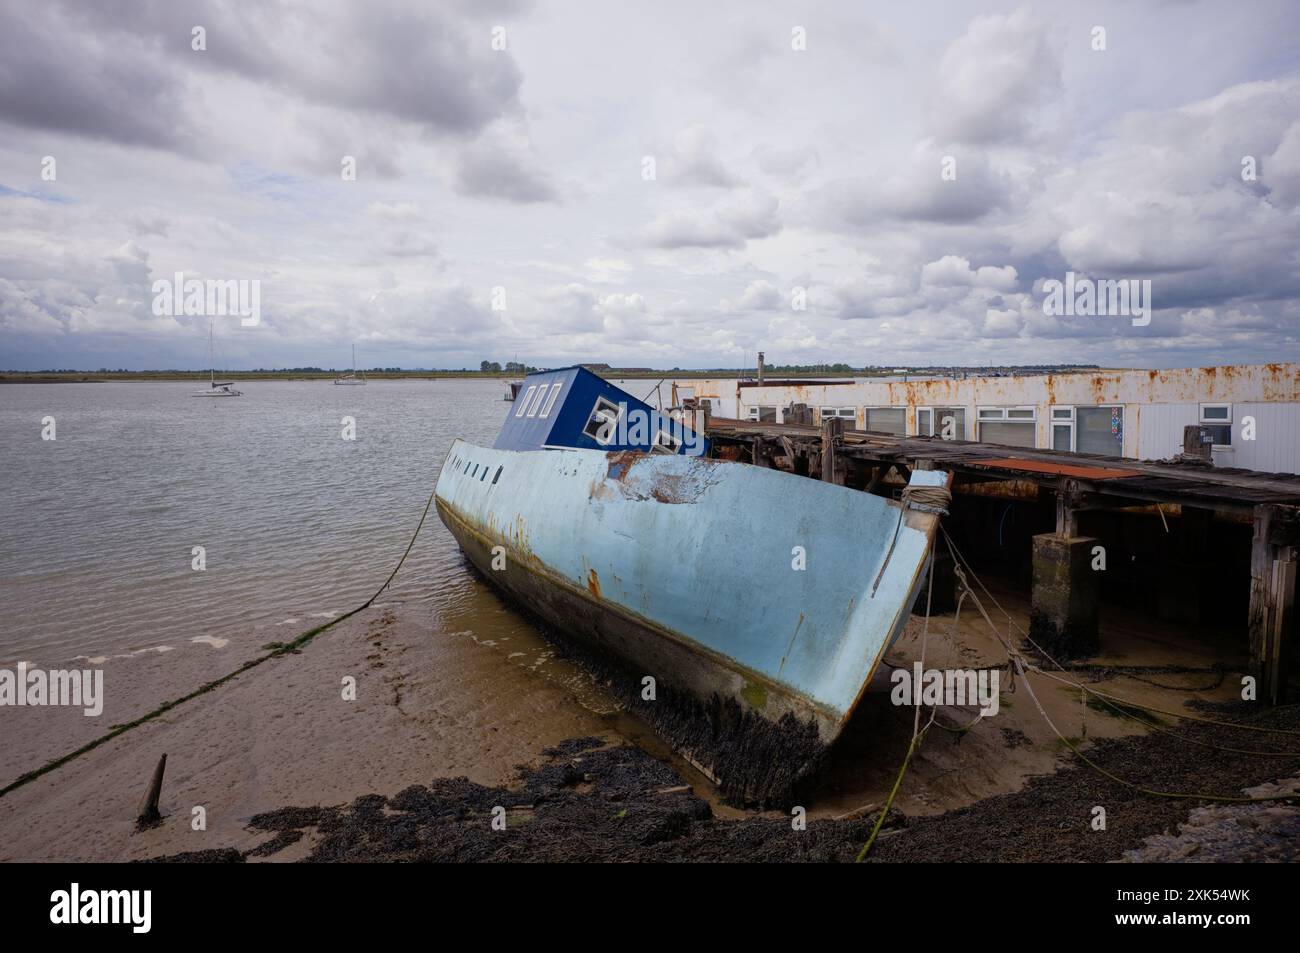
<point x="1064" y="590"/>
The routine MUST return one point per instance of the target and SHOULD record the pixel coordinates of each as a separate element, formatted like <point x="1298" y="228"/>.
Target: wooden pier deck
<point x="1080" y="482"/>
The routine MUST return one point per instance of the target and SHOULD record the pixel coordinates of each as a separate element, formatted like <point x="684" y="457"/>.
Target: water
<point x="97" y="527"/>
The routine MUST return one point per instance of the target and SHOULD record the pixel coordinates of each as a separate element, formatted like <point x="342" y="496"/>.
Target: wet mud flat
<point x="473" y="710"/>
<point x="593" y="800"/>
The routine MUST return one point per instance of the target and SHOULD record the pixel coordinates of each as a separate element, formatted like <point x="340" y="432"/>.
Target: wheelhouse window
<point x="602" y="422"/>
<point x="1217" y="418"/>
<point x="550" y="401"/>
<point x="1099" y="430"/>
<point x="537" y="401"/>
<point x="523" y="404"/>
<point x="1009" y="426"/>
<point x="766" y="415"/>
<point x="665" y="443"/>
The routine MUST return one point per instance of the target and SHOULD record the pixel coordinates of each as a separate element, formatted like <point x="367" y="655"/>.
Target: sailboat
<point x="216" y="388"/>
<point x="352" y="377"/>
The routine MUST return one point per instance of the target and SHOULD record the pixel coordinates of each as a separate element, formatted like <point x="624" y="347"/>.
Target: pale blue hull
<point x="703" y="559"/>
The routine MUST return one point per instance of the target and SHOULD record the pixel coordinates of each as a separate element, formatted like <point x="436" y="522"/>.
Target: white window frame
<point x="993" y="414"/>
<point x="1218" y="422"/>
<point x="537" y="401"/>
<point x="665" y="442"/>
<point x="1067" y="421"/>
<point x="754" y="412"/>
<point x="550" y="401"/>
<point x="523" y="402"/>
<point x="1000" y="415"/>
<point x="828" y="412"/>
<point x="929" y="430"/>
<point x="595" y="408"/>
<point x="935" y="429"/>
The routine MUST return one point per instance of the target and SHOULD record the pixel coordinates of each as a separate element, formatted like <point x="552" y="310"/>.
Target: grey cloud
<point x="729" y="224"/>
<point x="500" y="168"/>
<point x="126" y="71"/>
<point x="992" y="78"/>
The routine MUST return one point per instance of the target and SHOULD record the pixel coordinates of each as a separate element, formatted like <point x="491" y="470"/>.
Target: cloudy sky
<point x="504" y="202"/>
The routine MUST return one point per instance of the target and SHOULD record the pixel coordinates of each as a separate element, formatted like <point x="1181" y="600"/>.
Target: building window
<point x="765" y="415"/>
<point x="1063" y="428"/>
<point x="1217" y="418"/>
<point x="602" y="421"/>
<point x="925" y="422"/>
<point x="1099" y="430"/>
<point x="523" y="404"/>
<point x="848" y="413"/>
<point x="1010" y="426"/>
<point x="550" y="401"/>
<point x="948" y="423"/>
<point x="890" y="420"/>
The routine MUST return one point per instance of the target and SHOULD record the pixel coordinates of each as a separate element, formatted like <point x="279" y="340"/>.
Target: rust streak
<point x="593" y="583"/>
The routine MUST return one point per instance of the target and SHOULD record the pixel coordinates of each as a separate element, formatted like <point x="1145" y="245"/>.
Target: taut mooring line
<point x="165" y="707"/>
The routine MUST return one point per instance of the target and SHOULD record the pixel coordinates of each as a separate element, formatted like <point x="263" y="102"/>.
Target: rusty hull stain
<point x="593" y="583"/>
<point x="620" y="462"/>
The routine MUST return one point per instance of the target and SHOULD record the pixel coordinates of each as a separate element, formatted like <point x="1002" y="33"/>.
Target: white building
<point x="1253" y="411"/>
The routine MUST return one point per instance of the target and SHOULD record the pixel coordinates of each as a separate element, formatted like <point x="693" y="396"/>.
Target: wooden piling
<point x="1273" y="616"/>
<point x="149" y="814"/>
<point x="832" y="429"/>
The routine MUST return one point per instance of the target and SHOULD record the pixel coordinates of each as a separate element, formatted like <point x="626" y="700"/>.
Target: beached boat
<point x="757" y="599"/>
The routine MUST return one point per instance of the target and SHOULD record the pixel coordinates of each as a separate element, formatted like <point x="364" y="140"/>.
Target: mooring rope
<point x="162" y="709"/>
<point x="1026" y="636"/>
<point x="1018" y="660"/>
<point x="918" y="733"/>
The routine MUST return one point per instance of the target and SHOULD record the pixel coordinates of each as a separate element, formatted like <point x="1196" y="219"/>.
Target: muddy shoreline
<point x="472" y="710"/>
<point x="594" y="801"/>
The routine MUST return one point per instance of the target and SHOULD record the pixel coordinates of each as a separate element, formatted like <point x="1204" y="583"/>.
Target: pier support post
<point x="832" y="428"/>
<point x="1063" y="613"/>
<point x="1273" y="610"/>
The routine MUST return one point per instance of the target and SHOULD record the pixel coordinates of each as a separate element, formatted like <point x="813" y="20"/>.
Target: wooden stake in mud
<point x="149" y="806"/>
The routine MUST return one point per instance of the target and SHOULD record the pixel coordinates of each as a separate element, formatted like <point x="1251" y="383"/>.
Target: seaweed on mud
<point x="587" y="801"/>
<point x="756" y="762"/>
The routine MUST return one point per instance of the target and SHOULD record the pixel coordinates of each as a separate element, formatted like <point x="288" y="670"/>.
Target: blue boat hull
<point x="721" y="581"/>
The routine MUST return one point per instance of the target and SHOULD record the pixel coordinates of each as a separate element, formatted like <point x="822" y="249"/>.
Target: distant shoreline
<point x="88" y="377"/>
<point x="103" y="377"/>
